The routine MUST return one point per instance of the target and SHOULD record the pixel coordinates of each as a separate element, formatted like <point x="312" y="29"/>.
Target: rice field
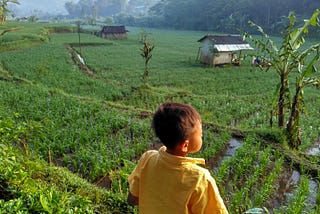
<point x="96" y="121"/>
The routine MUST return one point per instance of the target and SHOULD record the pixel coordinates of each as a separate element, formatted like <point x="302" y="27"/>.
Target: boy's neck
<point x="176" y="152"/>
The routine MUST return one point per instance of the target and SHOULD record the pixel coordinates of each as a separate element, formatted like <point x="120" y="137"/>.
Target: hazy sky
<point x="50" y="6"/>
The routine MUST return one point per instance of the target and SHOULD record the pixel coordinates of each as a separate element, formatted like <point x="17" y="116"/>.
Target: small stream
<point x="232" y="146"/>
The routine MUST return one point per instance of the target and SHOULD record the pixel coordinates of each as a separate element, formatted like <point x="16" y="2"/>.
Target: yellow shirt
<point x="169" y="184"/>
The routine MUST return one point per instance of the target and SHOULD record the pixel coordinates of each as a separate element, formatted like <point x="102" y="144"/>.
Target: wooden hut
<point x="219" y="49"/>
<point x="113" y="32"/>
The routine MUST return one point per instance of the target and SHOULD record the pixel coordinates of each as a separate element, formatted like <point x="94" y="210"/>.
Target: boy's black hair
<point x="174" y="122"/>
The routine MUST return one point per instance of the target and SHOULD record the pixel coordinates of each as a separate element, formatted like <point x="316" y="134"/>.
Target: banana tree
<point x="308" y="75"/>
<point x="4" y="9"/>
<point x="286" y="59"/>
<point x="280" y="62"/>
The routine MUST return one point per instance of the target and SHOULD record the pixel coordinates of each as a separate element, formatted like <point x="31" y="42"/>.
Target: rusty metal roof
<point x="114" y="29"/>
<point x="223" y="39"/>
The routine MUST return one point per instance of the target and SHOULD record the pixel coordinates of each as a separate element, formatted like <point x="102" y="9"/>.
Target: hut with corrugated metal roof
<point x="219" y="49"/>
<point x="114" y="32"/>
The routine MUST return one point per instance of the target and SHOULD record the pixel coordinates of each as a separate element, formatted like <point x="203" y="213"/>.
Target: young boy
<point x="168" y="182"/>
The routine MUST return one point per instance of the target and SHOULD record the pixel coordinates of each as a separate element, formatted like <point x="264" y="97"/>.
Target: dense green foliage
<point x="223" y="16"/>
<point x="95" y="122"/>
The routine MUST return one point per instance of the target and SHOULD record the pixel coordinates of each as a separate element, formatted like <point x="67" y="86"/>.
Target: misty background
<point x="29" y="7"/>
<point x="230" y="16"/>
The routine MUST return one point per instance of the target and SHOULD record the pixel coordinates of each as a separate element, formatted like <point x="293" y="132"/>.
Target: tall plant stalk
<point x="146" y="53"/>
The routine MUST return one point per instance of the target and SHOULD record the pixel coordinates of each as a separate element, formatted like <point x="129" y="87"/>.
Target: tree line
<point x="223" y="16"/>
<point x="207" y="15"/>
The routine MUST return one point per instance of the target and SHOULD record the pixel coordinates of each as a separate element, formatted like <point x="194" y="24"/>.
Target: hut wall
<point x="114" y="36"/>
<point x="206" y="52"/>
<point x="222" y="58"/>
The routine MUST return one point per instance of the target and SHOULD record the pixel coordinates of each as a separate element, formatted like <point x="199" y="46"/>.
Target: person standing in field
<point x="167" y="181"/>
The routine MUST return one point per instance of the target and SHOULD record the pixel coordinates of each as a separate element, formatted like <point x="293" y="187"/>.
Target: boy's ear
<point x="184" y="146"/>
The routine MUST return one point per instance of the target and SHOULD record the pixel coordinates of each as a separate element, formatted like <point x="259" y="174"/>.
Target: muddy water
<point x="285" y="186"/>
<point x="228" y="151"/>
<point x="315" y="149"/>
<point x="233" y="145"/>
<point x="312" y="197"/>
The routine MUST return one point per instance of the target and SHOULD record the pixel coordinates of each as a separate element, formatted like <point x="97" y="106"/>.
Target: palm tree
<point x="4" y="9"/>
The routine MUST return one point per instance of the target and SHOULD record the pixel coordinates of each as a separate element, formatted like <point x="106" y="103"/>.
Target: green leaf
<point x="310" y="68"/>
<point x="44" y="203"/>
<point x="314" y="18"/>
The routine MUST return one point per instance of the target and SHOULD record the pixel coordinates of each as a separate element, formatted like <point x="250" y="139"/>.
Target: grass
<point x="96" y="125"/>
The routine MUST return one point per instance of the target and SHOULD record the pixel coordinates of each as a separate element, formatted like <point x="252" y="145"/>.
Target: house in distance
<point x="113" y="32"/>
<point x="220" y="49"/>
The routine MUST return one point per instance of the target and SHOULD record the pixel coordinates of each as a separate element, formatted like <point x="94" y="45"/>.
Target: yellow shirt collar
<point x="174" y="159"/>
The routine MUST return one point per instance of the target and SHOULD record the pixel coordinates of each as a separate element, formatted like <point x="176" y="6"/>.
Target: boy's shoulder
<point x="150" y="153"/>
<point x="146" y="155"/>
<point x="201" y="170"/>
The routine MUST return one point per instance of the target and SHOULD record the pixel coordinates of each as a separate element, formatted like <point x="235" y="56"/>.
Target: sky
<point x="47" y="6"/>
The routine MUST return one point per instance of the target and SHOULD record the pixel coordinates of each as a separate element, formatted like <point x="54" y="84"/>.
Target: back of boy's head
<point x="174" y="122"/>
